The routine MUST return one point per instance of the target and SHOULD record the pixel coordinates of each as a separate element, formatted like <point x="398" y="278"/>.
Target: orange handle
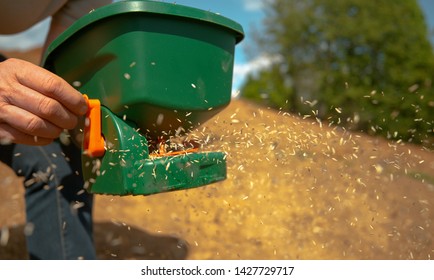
<point x="93" y="144"/>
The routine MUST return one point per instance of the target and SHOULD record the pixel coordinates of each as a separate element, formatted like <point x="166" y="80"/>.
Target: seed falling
<point x="4" y="236"/>
<point x="76" y="84"/>
<point x="160" y="119"/>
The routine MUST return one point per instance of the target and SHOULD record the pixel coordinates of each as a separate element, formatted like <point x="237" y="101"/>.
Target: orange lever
<point x="93" y="143"/>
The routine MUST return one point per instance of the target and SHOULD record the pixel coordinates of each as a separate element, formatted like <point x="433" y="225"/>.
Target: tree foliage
<point x="367" y="65"/>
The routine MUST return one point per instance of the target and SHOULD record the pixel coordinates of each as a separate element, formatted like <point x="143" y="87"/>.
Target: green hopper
<point x="156" y="70"/>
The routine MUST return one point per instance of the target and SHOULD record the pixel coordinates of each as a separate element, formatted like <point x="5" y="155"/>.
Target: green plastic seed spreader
<point x="150" y="71"/>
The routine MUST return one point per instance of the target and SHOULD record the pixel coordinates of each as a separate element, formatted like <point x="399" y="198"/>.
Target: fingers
<point x="10" y="135"/>
<point x="45" y="82"/>
<point x="44" y="107"/>
<point x="35" y="105"/>
<point x="29" y="123"/>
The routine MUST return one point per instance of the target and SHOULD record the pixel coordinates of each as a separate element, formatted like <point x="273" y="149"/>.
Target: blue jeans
<point x="58" y="209"/>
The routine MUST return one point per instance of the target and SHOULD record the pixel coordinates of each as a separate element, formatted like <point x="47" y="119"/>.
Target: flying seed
<point x="77" y="205"/>
<point x="4" y="236"/>
<point x="76" y="84"/>
<point x="28" y="229"/>
<point x="160" y="119"/>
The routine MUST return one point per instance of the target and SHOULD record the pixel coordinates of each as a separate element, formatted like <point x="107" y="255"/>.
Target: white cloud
<point x="242" y="70"/>
<point x="254" y="65"/>
<point x="253" y="5"/>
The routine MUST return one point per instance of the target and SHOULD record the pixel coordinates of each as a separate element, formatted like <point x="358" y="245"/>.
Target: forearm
<point x="68" y="14"/>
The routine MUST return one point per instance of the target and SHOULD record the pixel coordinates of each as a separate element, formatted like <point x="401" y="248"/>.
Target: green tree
<point x="367" y="65"/>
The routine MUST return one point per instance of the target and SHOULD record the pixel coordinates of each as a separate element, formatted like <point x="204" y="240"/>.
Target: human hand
<point x="35" y="104"/>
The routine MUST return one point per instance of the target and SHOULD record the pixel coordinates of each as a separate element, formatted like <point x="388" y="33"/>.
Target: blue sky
<point x="245" y="12"/>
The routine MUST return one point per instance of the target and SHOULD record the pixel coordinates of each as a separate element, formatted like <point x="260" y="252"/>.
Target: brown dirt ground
<point x="296" y="189"/>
